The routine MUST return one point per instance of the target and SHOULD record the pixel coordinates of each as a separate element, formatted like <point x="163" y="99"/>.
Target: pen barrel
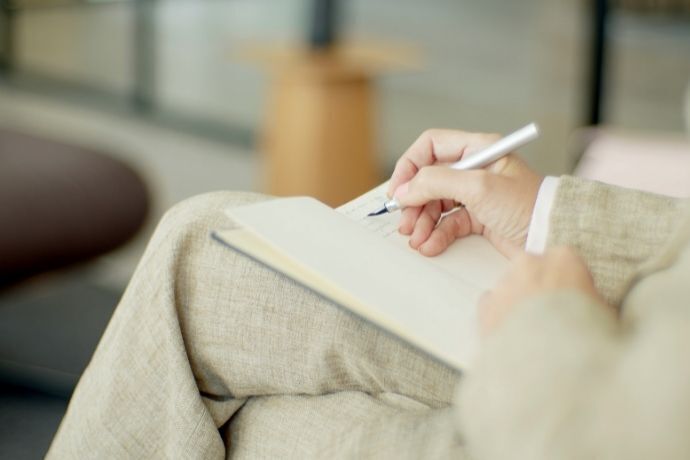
<point x="482" y="158"/>
<point x="499" y="149"/>
<point x="392" y="205"/>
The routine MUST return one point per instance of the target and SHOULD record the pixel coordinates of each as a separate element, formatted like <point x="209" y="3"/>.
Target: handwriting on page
<point x="471" y="259"/>
<point x="358" y="209"/>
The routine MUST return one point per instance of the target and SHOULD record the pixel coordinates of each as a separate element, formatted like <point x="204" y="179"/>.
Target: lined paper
<point x="471" y="259"/>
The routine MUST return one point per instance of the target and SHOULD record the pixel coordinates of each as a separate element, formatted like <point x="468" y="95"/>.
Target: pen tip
<point x="378" y="213"/>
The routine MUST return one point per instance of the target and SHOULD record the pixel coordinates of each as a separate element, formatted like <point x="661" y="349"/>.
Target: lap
<point x="258" y="333"/>
<point x="202" y="330"/>
<point x="341" y="425"/>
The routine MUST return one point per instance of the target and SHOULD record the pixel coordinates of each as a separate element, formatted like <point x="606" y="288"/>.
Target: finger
<point x="440" y="182"/>
<point x="446" y="232"/>
<point x="408" y="219"/>
<point x="448" y="205"/>
<point x="425" y="224"/>
<point x="403" y="172"/>
<point x="436" y="145"/>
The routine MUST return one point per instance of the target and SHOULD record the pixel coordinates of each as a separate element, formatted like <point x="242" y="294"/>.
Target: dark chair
<point x="61" y="204"/>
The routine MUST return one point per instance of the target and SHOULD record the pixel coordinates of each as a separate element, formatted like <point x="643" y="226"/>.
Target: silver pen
<point x="497" y="150"/>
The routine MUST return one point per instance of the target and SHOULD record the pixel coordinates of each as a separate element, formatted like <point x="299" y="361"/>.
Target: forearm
<point x="564" y="376"/>
<point x="532" y="375"/>
<point x="563" y="379"/>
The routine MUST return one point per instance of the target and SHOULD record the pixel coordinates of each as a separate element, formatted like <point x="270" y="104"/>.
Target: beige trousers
<point x="210" y="354"/>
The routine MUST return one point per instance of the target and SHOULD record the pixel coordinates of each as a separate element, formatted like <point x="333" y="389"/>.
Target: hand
<point x="532" y="275"/>
<point x="498" y="200"/>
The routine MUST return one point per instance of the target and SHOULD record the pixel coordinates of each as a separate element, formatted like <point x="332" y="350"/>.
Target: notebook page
<point x="471" y="259"/>
<point x="337" y="257"/>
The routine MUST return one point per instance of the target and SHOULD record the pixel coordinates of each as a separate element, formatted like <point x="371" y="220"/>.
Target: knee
<point x="207" y="207"/>
<point x="200" y="214"/>
<point x="212" y="202"/>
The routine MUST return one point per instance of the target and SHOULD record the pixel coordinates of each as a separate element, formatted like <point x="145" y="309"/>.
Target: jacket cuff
<point x="614" y="229"/>
<point x="539" y="224"/>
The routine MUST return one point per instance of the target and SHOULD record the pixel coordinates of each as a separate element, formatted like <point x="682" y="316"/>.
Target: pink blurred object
<point x="658" y="163"/>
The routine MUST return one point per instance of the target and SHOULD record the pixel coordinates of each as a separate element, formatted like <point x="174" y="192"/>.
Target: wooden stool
<point x="318" y="138"/>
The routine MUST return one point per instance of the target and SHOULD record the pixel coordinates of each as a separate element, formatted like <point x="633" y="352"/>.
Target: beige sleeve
<point x="520" y="392"/>
<point x="614" y="229"/>
<point x="561" y="379"/>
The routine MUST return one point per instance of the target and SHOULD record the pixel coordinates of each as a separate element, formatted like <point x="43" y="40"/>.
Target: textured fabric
<point x="564" y="378"/>
<point x="209" y="353"/>
<point x="614" y="229"/>
<point x="348" y="424"/>
<point x="201" y="331"/>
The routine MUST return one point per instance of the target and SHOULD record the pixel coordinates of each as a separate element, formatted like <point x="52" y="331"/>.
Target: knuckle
<point x="429" y="133"/>
<point x="403" y="167"/>
<point x="401" y="163"/>
<point x="425" y="137"/>
<point x="488" y="138"/>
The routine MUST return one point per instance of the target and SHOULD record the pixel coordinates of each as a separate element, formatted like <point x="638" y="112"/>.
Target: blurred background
<point x="111" y="111"/>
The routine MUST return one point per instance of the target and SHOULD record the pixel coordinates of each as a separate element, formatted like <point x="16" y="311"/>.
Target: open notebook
<point x="365" y="266"/>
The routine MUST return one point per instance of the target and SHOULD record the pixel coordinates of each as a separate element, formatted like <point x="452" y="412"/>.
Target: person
<point x="584" y="353"/>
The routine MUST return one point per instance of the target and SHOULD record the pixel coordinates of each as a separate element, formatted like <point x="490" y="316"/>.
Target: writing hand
<point x="498" y="200"/>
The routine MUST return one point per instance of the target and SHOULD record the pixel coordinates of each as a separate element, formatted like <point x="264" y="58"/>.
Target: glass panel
<point x="649" y="70"/>
<point x="199" y="45"/>
<point x="492" y="65"/>
<point x="84" y="44"/>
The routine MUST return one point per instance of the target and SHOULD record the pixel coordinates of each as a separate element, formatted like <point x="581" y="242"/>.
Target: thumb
<point x="441" y="182"/>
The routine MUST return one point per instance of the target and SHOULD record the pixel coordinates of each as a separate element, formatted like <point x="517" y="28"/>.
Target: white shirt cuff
<point x="539" y="225"/>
